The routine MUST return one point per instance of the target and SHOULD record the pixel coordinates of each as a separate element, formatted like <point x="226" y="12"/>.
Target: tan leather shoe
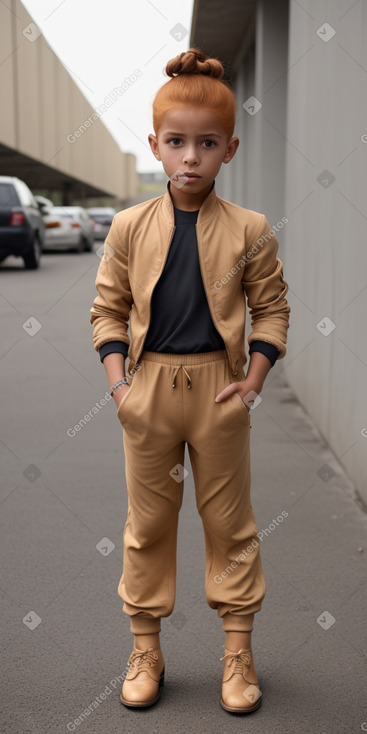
<point x="144" y="679"/>
<point x="240" y="686"/>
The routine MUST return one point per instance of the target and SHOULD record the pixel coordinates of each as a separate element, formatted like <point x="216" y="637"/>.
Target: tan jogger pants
<point x="170" y="403"/>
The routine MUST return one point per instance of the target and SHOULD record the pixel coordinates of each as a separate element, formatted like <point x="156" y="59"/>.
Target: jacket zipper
<point x="137" y="366"/>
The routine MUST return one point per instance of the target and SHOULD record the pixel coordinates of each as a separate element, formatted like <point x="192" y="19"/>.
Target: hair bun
<point x="194" y="61"/>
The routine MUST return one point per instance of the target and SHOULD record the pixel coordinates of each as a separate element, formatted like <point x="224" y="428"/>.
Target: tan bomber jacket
<point x="237" y="254"/>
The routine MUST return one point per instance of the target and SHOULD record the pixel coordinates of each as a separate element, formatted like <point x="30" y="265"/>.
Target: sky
<point x="103" y="42"/>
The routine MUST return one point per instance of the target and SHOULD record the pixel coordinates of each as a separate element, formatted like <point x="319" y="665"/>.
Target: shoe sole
<point x="233" y="710"/>
<point x="144" y="704"/>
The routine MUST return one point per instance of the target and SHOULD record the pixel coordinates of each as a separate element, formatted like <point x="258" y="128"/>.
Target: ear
<point x="231" y="149"/>
<point x="153" y="142"/>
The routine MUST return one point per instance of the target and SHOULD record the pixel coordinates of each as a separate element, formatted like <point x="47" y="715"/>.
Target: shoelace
<point x="239" y="659"/>
<point x="143" y="659"/>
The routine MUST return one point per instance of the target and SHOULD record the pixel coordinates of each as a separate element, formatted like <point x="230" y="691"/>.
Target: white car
<point x="45" y="205"/>
<point x="102" y="219"/>
<point x="69" y="228"/>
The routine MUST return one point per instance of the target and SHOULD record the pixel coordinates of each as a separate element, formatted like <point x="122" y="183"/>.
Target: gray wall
<point x="325" y="241"/>
<point x="255" y="179"/>
<point x="314" y="119"/>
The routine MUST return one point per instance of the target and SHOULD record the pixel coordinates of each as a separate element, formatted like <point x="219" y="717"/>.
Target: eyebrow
<point x="201" y="135"/>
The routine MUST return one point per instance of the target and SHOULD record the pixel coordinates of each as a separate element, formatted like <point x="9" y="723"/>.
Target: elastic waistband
<point x="184" y="359"/>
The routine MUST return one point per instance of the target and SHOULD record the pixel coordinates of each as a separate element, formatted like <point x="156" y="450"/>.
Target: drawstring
<point x="174" y="377"/>
<point x="188" y="377"/>
<point x="186" y="373"/>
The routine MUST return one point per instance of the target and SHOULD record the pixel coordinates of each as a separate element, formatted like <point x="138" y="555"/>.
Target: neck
<point x="188" y="202"/>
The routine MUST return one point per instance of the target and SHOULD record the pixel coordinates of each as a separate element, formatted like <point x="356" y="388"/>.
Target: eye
<point x="208" y="144"/>
<point x="174" y="141"/>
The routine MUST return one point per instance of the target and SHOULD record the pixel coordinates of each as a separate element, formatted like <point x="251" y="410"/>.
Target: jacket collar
<point x="205" y="212"/>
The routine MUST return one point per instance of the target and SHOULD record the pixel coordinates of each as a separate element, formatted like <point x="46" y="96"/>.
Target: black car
<point x="22" y="230"/>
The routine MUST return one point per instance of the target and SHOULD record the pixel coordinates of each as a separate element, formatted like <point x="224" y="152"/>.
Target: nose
<point x="190" y="155"/>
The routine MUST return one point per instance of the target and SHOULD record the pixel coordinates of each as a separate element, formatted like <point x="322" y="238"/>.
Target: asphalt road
<point x="65" y="640"/>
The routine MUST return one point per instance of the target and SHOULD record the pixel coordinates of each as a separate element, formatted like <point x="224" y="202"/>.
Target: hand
<point x="120" y="393"/>
<point x="243" y="388"/>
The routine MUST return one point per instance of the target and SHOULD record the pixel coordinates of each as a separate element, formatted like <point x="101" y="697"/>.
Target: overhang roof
<point x="40" y="176"/>
<point x="222" y="29"/>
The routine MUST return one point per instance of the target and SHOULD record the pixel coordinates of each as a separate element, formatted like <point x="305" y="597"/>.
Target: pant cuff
<point x="145" y="625"/>
<point x="238" y="622"/>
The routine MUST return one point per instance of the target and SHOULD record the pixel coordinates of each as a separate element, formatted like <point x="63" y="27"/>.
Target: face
<point x="192" y="145"/>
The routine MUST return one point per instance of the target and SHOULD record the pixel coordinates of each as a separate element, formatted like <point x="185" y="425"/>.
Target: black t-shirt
<point x="181" y="322"/>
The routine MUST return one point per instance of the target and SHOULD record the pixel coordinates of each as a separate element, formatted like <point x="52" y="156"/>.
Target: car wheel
<point x="88" y="247"/>
<point x="32" y="258"/>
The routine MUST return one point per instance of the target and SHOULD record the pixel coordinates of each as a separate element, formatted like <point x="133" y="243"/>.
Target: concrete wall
<point x="325" y="241"/>
<point x="8" y="112"/>
<point x="255" y="179"/>
<point x="314" y="119"/>
<point x="42" y="106"/>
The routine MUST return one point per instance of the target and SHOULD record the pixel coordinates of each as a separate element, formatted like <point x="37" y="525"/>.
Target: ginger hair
<point x="196" y="81"/>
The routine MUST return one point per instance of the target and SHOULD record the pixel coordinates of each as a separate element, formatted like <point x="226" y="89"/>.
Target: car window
<point x="104" y="217"/>
<point x="25" y="194"/>
<point x="8" y="196"/>
<point x="104" y="212"/>
<point x="61" y="212"/>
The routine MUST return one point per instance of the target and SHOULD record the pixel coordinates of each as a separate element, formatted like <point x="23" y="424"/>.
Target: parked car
<point x="69" y="228"/>
<point x="102" y="219"/>
<point x="22" y="229"/>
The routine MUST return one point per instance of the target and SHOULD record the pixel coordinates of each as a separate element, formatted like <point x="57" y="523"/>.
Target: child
<point x="179" y="266"/>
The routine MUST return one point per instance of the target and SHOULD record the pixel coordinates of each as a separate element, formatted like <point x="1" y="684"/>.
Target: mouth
<point x="181" y="178"/>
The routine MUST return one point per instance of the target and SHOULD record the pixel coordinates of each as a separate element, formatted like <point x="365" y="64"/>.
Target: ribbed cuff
<point x="269" y="350"/>
<point x="113" y="347"/>
<point x="145" y="625"/>
<point x="238" y="622"/>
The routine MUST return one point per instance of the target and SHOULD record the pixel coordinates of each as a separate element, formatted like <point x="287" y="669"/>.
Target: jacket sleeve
<point x="265" y="289"/>
<point x="111" y="307"/>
